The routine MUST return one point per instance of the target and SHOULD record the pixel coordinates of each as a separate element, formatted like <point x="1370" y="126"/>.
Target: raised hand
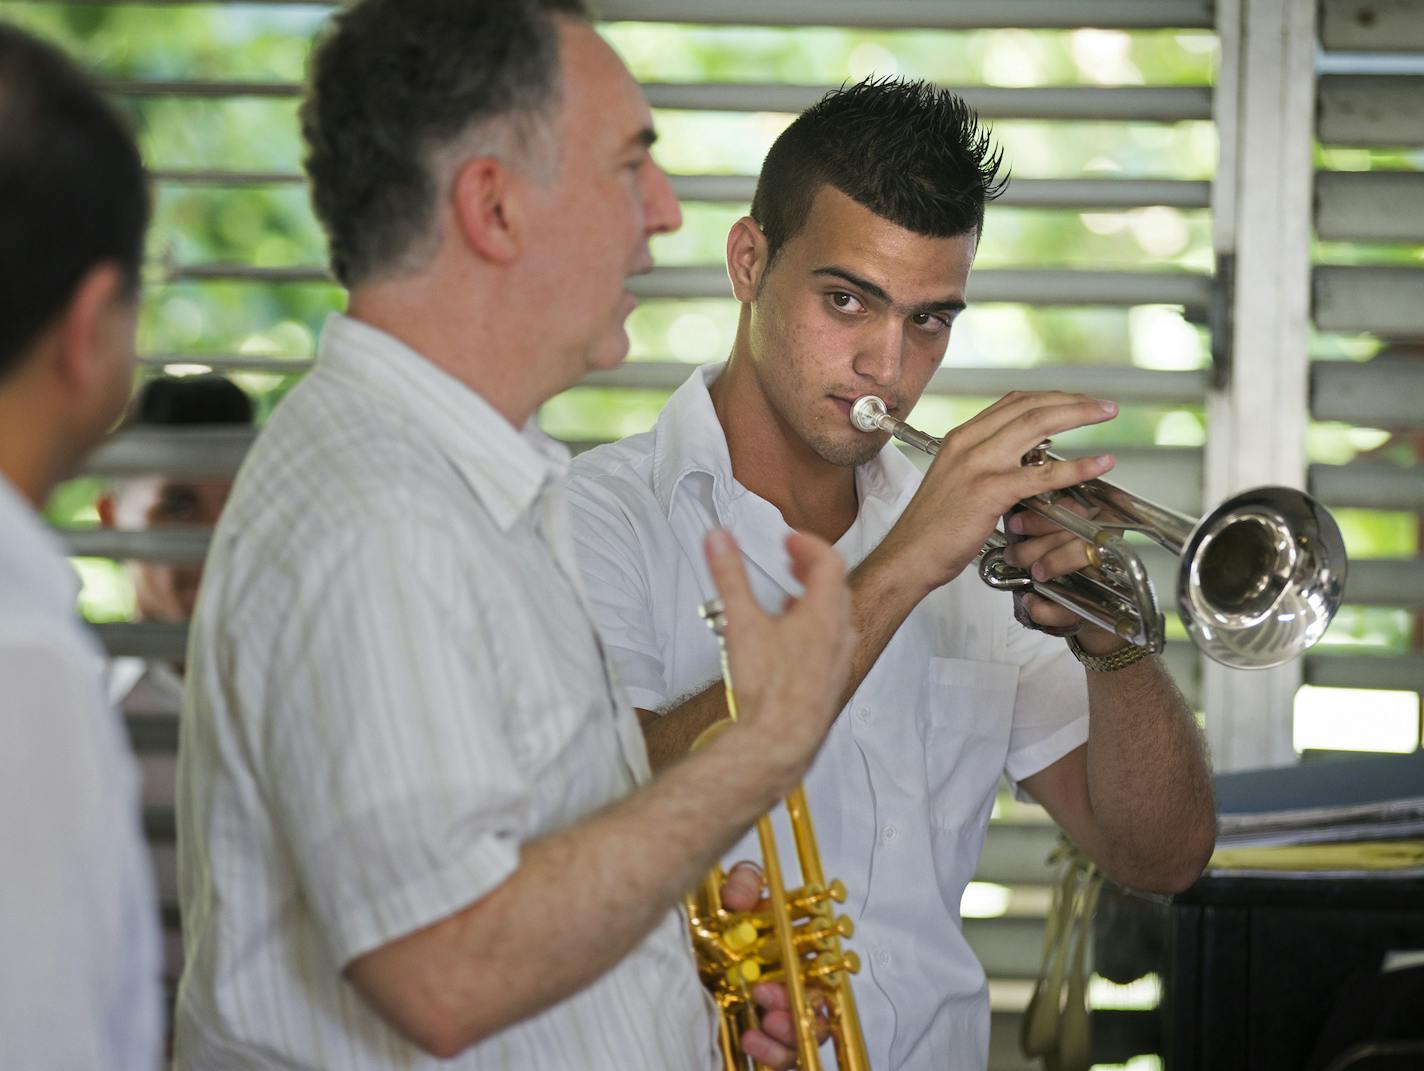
<point x="788" y="669"/>
<point x="979" y="475"/>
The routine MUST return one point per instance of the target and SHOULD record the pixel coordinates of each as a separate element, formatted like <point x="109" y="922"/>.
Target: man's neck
<point x="770" y="460"/>
<point x="31" y="456"/>
<point x="470" y="342"/>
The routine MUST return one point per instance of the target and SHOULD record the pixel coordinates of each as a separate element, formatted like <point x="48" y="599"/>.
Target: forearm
<point x="1148" y="781"/>
<point x="670" y="734"/>
<point x="538" y="938"/>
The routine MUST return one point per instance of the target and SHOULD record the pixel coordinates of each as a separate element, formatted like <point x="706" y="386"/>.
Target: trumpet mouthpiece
<point x="866" y="412"/>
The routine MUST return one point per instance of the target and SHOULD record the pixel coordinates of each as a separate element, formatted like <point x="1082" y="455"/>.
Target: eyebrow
<point x="948" y="304"/>
<point x="644" y="138"/>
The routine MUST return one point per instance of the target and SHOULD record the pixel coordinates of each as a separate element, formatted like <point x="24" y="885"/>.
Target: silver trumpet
<point x="1261" y="575"/>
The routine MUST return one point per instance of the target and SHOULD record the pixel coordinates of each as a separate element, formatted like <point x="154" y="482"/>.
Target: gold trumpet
<point x="1260" y="576"/>
<point x="794" y="940"/>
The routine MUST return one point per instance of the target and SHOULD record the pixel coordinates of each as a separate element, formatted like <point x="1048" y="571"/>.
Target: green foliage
<point x="202" y="223"/>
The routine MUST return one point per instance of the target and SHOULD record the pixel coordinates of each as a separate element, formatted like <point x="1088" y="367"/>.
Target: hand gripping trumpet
<point x="795" y="939"/>
<point x="1260" y="577"/>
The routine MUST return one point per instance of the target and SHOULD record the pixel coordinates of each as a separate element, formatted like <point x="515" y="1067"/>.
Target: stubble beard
<point x="846" y="453"/>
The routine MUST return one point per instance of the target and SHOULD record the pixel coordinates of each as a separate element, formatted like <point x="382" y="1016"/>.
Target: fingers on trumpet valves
<point x="1057" y="477"/>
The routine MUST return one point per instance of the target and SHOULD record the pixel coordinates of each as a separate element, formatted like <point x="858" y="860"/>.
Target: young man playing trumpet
<point x="850" y="271"/>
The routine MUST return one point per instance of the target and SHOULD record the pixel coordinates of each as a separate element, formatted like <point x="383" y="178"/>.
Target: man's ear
<point x="489" y="208"/>
<point x="746" y="258"/>
<point x="86" y="325"/>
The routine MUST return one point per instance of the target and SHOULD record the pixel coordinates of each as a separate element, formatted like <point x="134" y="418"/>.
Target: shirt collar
<point x="689" y="439"/>
<point x="506" y="467"/>
<point x="45" y="571"/>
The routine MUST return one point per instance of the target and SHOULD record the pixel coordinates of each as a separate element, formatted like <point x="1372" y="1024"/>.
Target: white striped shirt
<point x="394" y="682"/>
<point x="79" y="967"/>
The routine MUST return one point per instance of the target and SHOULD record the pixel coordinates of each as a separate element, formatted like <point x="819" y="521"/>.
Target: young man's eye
<point x="931" y="323"/>
<point x="846" y="302"/>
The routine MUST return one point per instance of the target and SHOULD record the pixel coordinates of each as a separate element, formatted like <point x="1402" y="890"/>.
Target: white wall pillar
<point x="1262" y="208"/>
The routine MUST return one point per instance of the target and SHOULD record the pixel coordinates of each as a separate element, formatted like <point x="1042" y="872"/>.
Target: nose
<point x="880" y="357"/>
<point x="662" y="213"/>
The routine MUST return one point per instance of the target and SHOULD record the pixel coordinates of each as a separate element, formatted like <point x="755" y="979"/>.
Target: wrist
<point x="1099" y="642"/>
<point x="768" y="765"/>
<point x="1125" y="655"/>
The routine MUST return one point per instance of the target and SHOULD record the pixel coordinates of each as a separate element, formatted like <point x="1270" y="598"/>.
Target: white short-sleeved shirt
<point x="902" y="790"/>
<point x="394" y="682"/>
<point x="79" y="962"/>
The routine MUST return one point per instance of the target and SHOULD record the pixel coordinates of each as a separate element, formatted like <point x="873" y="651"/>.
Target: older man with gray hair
<point x="416" y="819"/>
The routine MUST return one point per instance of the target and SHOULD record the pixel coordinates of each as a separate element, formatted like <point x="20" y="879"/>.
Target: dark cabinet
<point x="1256" y="967"/>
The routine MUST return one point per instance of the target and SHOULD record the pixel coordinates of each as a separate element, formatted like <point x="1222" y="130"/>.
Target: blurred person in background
<point x="79" y="970"/>
<point x="167" y="592"/>
<point x="149" y="691"/>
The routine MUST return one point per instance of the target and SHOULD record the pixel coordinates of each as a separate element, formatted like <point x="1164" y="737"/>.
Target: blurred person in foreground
<point x="850" y="271"/>
<point x="416" y="821"/>
<point x="79" y="982"/>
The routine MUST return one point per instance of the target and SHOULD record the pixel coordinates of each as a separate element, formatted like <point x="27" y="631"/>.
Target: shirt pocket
<point x="965" y="713"/>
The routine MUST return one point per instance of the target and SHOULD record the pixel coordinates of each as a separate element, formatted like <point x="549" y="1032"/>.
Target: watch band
<point x="1108" y="663"/>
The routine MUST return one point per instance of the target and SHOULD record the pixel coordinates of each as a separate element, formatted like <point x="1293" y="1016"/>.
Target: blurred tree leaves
<point x="272" y="225"/>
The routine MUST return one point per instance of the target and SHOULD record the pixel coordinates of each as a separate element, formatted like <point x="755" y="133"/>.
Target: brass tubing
<point x="794" y="938"/>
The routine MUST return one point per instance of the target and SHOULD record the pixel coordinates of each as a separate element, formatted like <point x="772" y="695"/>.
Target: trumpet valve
<point x="829" y="966"/>
<point x="1037" y="456"/>
<point x="741" y="936"/>
<point x="744" y="973"/>
<point x="825" y="937"/>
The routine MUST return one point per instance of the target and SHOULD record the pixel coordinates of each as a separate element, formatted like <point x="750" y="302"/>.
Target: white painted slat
<point x="1370" y="206"/>
<point x="1368" y="109"/>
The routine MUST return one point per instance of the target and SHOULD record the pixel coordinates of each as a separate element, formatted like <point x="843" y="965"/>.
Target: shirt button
<point x="882" y="957"/>
<point x="862" y="715"/>
<point x="889" y="833"/>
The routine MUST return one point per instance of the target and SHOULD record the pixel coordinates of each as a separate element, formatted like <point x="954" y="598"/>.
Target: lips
<point x="847" y="401"/>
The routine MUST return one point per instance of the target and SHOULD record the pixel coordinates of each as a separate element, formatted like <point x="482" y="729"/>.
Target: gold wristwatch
<point x="1108" y="663"/>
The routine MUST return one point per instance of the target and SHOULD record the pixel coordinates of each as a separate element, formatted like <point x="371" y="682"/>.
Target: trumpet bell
<point x="1262" y="576"/>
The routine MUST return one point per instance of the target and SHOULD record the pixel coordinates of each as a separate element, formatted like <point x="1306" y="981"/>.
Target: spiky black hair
<point x="909" y="151"/>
